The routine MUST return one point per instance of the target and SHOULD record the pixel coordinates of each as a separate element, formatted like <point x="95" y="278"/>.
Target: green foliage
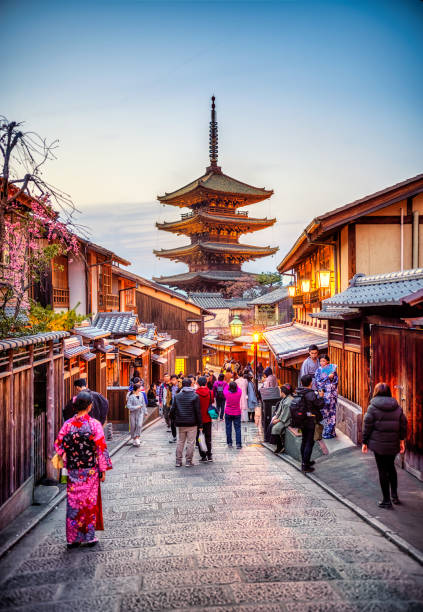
<point x="269" y="279"/>
<point x="45" y="319"/>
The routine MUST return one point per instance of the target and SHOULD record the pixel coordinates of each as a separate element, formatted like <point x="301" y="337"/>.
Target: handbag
<point x="57" y="461"/>
<point x="202" y="442"/>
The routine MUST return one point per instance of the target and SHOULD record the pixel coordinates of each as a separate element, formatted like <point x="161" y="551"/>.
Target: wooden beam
<point x="386" y="220"/>
<point x="351" y="251"/>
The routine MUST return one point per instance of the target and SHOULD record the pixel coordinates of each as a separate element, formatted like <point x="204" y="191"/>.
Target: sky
<point x="320" y="101"/>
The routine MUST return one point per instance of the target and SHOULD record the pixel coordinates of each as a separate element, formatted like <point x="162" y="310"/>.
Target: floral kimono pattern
<point x="83" y="447"/>
<point x="330" y="387"/>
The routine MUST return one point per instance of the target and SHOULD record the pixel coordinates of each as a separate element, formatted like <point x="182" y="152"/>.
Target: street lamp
<point x="256" y="340"/>
<point x="236" y="326"/>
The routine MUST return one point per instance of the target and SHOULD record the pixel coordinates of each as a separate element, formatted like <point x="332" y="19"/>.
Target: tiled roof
<point x="223" y="275"/>
<point x="215" y="301"/>
<point x="292" y="340"/>
<point x="378" y="290"/>
<point x="336" y="313"/>
<point x="218" y="247"/>
<point x="11" y="343"/>
<point x="272" y="297"/>
<point x="218" y="182"/>
<point x="91" y="332"/>
<point x="117" y="322"/>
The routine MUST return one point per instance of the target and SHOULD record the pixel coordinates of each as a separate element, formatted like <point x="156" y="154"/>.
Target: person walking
<point x="174" y="389"/>
<point x="326" y="379"/>
<point x="228" y="375"/>
<point x="206" y="400"/>
<point x="218" y="389"/>
<point x="166" y="395"/>
<point x="137" y="407"/>
<point x="186" y="413"/>
<point x="242" y="383"/>
<point x="233" y="413"/>
<point x="100" y="405"/>
<point x="281" y="419"/>
<point x="81" y="444"/>
<point x="252" y="401"/>
<point x="384" y="432"/>
<point x="312" y="406"/>
<point x="152" y="396"/>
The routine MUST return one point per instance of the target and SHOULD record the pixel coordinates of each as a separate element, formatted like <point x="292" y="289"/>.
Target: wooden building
<point x="31" y="402"/>
<point x="378" y="234"/>
<point x="214" y="225"/>
<point x="272" y="308"/>
<point x="375" y="330"/>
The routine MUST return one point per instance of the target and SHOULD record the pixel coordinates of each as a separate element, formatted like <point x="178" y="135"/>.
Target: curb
<point x="402" y="544"/>
<point x="56" y="501"/>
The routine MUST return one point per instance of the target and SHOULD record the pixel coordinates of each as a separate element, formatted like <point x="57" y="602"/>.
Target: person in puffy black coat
<point x="186" y="413"/>
<point x="384" y="432"/>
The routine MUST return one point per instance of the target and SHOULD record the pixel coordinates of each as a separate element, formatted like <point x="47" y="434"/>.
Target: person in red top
<point x="206" y="399"/>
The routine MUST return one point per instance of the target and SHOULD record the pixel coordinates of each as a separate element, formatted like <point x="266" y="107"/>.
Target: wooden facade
<point x="31" y="402"/>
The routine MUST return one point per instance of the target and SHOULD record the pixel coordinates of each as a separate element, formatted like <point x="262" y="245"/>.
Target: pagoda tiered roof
<point x="246" y="250"/>
<point x="215" y="185"/>
<point x="203" y="280"/>
<point x="204" y="219"/>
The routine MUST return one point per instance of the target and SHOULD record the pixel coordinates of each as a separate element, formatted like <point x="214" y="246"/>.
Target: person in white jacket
<point x="137" y="407"/>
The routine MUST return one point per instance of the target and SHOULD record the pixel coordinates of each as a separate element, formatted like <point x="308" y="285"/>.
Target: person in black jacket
<point x="384" y="432"/>
<point x="186" y="413"/>
<point x="99" y="408"/>
<point x="314" y="403"/>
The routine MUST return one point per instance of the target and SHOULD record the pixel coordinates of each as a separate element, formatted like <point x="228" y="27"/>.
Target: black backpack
<point x="219" y="392"/>
<point x="298" y="409"/>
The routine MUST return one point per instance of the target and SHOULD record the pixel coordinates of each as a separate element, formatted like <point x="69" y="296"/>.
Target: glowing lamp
<point x="291" y="290"/>
<point x="305" y="286"/>
<point x="236" y="326"/>
<point x="324" y="278"/>
<point x="256" y="338"/>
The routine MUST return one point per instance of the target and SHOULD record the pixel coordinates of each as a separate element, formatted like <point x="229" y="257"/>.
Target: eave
<point x="222" y="248"/>
<point x="202" y="221"/>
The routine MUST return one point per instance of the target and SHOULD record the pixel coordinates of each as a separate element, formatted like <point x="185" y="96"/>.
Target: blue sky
<point x="319" y="100"/>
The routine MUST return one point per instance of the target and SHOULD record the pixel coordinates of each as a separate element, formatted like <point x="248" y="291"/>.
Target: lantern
<point x="305" y="286"/>
<point x="324" y="278"/>
<point x="291" y="290"/>
<point x="236" y="326"/>
<point x="256" y="338"/>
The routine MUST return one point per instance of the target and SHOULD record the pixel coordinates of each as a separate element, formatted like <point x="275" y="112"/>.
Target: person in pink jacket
<point x="233" y="413"/>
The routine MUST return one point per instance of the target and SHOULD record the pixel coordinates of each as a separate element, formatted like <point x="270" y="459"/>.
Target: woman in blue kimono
<point x="326" y="379"/>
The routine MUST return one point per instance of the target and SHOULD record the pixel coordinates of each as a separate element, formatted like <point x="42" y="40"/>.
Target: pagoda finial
<point x="213" y="140"/>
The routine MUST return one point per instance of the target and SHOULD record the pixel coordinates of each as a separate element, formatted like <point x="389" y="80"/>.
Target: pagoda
<point x="214" y="225"/>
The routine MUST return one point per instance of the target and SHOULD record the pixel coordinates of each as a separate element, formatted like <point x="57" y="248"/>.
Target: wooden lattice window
<point x="180" y="365"/>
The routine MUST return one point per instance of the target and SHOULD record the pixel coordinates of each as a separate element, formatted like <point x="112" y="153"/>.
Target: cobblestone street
<point x="247" y="532"/>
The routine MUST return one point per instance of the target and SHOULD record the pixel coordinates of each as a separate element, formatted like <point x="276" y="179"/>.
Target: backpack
<point x="298" y="409"/>
<point x="219" y="393"/>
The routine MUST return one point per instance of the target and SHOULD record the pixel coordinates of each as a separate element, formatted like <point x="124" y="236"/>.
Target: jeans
<point x="188" y="435"/>
<point x="172" y="427"/>
<point x="307" y="443"/>
<point x="207" y="431"/>
<point x="387" y="475"/>
<point x="220" y="406"/>
<point x="236" y="420"/>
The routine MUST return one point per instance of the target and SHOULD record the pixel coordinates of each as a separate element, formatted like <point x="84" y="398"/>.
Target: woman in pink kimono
<point x="82" y="445"/>
<point x="242" y="383"/>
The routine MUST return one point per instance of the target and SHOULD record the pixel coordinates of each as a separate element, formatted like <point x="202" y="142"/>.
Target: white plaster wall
<point x="344" y="259"/>
<point x="221" y="319"/>
<point x="77" y="286"/>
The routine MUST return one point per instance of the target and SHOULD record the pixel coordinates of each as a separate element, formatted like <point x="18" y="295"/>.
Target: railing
<point x="298" y="299"/>
<point x="319" y="294"/>
<point x="217" y="211"/>
<point x="60" y="298"/>
<point x="112" y="301"/>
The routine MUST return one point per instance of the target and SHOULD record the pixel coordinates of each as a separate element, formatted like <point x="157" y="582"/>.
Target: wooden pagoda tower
<point x="214" y="254"/>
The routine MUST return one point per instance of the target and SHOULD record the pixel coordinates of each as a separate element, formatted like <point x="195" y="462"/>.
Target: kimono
<point x="243" y="384"/>
<point x="330" y="387"/>
<point x="252" y="401"/>
<point x="82" y="445"/>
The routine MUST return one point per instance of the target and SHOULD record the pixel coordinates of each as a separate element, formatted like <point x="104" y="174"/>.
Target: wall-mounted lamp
<point x="324" y="278"/>
<point x="291" y="290"/>
<point x="305" y="286"/>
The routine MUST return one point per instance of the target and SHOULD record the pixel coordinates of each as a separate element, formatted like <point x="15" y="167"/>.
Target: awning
<point x="74" y="351"/>
<point x="125" y="341"/>
<point x="146" y="341"/>
<point x="88" y="356"/>
<point x="132" y="351"/>
<point x="12" y="343"/>
<point x="291" y="341"/>
<point x="91" y="332"/>
<point x="158" y="359"/>
<point x="165" y="344"/>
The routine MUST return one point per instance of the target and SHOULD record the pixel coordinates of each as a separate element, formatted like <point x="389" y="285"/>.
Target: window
<point x="180" y="365"/>
<point x="193" y="327"/>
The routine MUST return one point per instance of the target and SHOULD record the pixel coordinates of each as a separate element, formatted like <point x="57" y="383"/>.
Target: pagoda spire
<point x="213" y="141"/>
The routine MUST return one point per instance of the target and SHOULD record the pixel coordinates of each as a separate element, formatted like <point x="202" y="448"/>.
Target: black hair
<point x="82" y="401"/>
<point x="80" y="382"/>
<point x="173" y="376"/>
<point x="313" y="347"/>
<point x="287" y="389"/>
<point x="229" y="370"/>
<point x="186" y="382"/>
<point x="306" y="380"/>
<point x="324" y="356"/>
<point x="233" y="386"/>
<point x="202" y="381"/>
<point x="221" y="377"/>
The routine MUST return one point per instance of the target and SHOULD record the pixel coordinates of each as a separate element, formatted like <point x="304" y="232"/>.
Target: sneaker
<point x="307" y="469"/>
<point x="239" y="446"/>
<point x="230" y="445"/>
<point x="203" y="460"/>
<point x="395" y="500"/>
<point x="189" y="464"/>
<point x="384" y="504"/>
<point x="137" y="442"/>
<point x="210" y="459"/>
<point x="178" y="464"/>
<point x="134" y="443"/>
<point x="172" y="441"/>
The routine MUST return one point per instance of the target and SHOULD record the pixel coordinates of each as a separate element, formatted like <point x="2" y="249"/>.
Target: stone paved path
<point x="247" y="532"/>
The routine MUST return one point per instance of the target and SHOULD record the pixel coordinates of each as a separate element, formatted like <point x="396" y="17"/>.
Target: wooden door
<point x="386" y="363"/>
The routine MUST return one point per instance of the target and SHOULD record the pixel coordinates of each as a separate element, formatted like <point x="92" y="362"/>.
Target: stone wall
<point x="349" y="419"/>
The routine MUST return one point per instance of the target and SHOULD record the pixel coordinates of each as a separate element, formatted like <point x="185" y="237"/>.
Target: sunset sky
<point x="320" y="101"/>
